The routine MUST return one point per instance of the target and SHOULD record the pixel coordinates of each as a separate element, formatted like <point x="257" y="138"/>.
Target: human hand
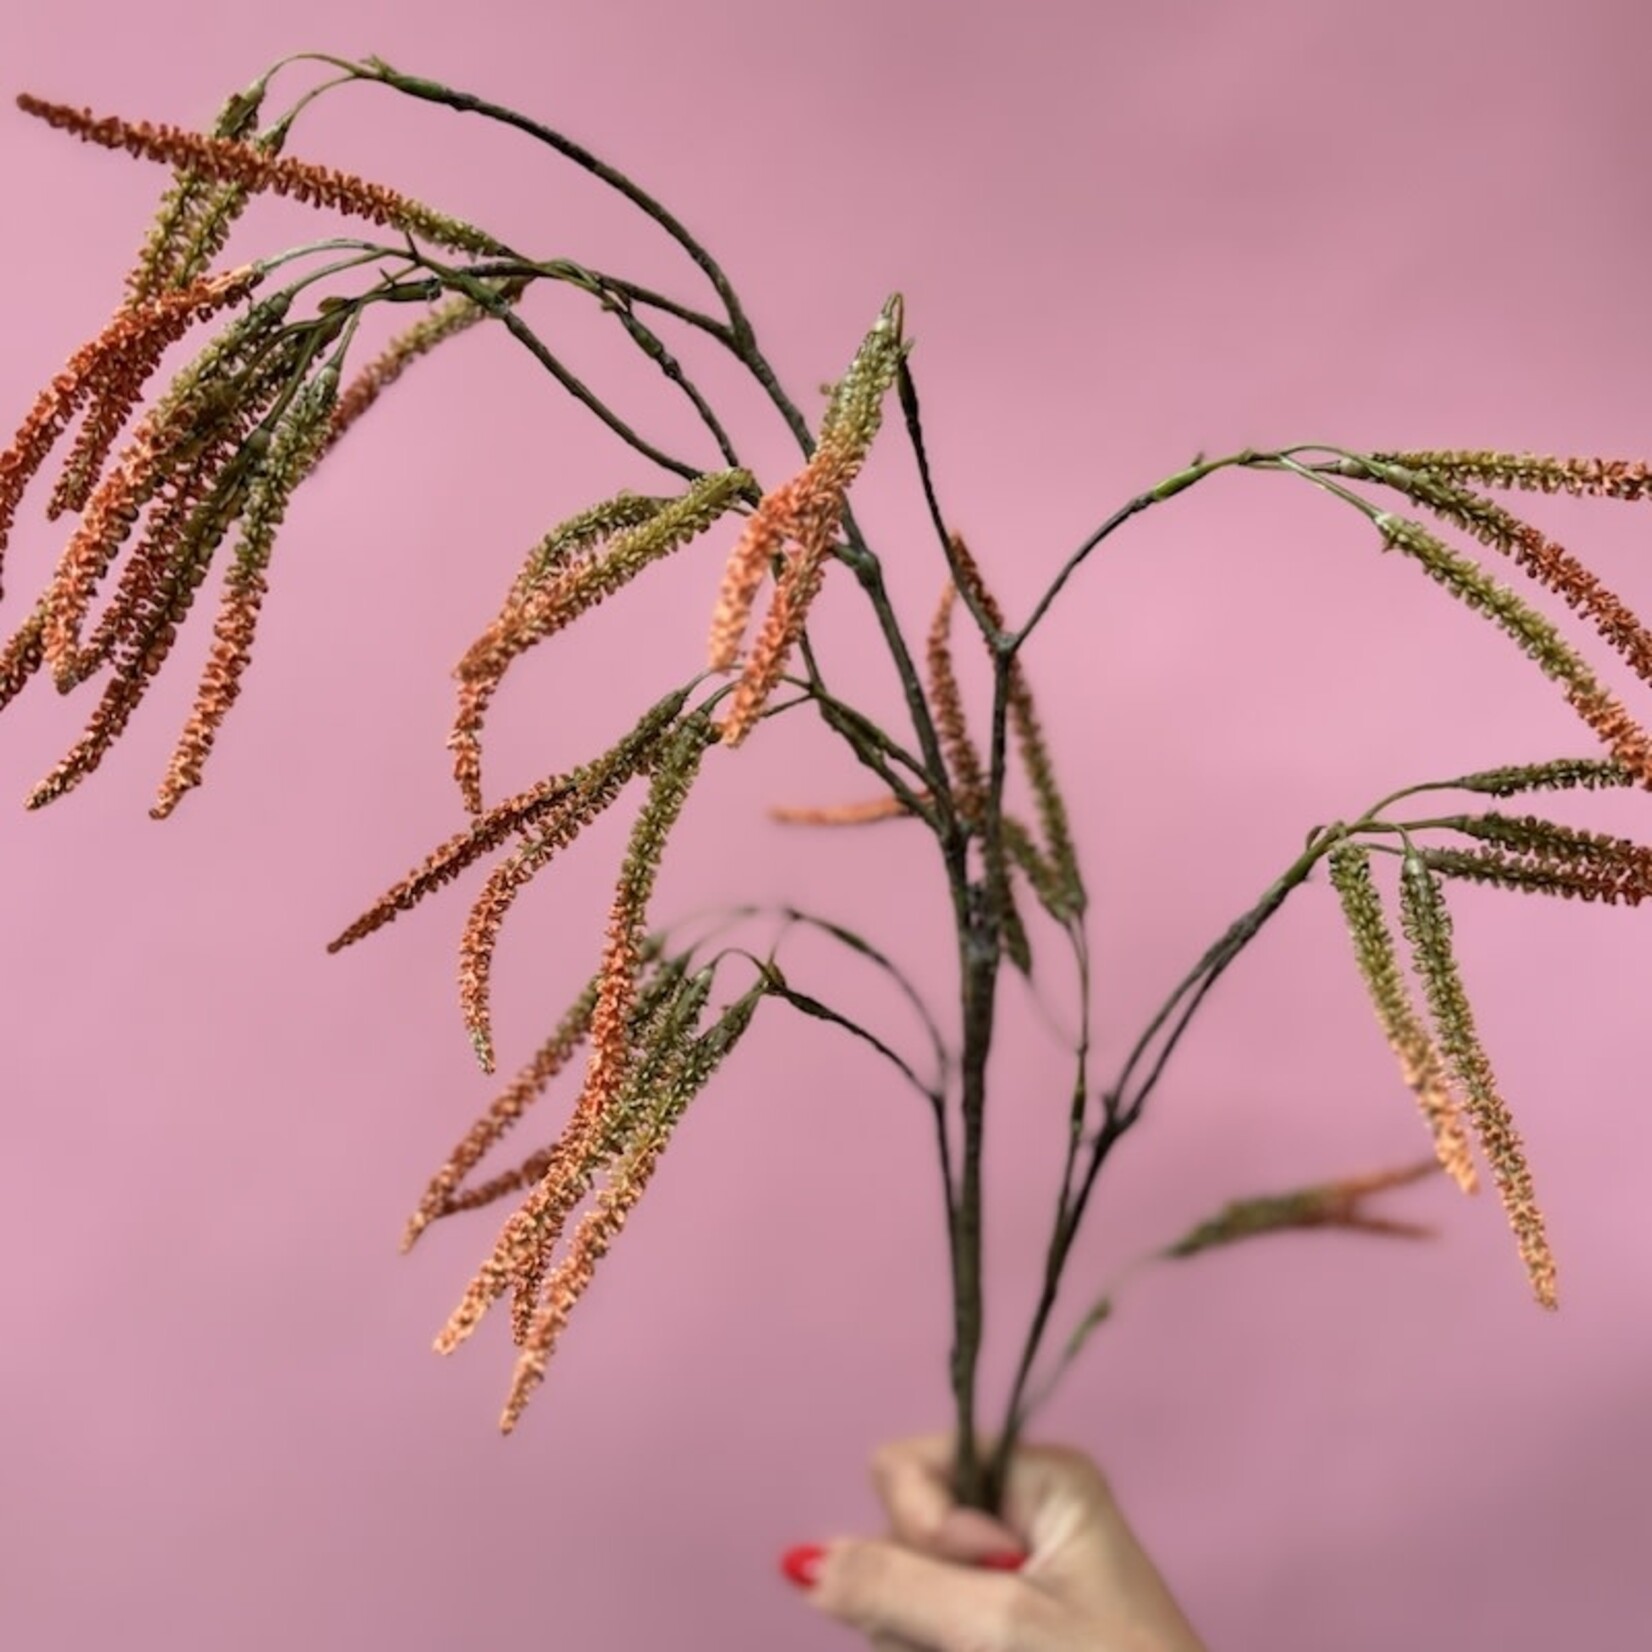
<point x="1062" y="1571"/>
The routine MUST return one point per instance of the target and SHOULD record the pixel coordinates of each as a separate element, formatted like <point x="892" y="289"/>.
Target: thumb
<point x="883" y="1589"/>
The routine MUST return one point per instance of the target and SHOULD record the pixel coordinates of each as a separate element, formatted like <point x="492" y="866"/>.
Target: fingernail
<point x="802" y="1564"/>
<point x="1003" y="1560"/>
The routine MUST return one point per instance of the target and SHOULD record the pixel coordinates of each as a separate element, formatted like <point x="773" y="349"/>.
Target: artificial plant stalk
<point x="242" y="425"/>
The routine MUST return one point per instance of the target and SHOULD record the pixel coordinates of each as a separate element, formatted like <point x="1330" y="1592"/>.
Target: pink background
<point x="1125" y="234"/>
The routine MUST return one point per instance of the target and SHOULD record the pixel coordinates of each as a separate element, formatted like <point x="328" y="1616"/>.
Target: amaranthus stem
<point x="1171" y="485"/>
<point x="1123" y="1108"/>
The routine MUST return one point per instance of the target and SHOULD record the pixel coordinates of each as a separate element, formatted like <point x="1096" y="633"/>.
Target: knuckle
<point x="860" y="1574"/>
<point x="1079" y="1470"/>
<point x="1015" y="1615"/>
<point x="886" y="1462"/>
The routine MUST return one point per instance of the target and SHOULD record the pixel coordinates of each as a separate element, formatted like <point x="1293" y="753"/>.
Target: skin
<point x="1086" y="1585"/>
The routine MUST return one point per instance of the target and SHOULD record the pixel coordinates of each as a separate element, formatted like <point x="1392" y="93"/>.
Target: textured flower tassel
<point x="594" y="787"/>
<point x="293" y="451"/>
<point x="249" y="167"/>
<point x="1427" y="927"/>
<point x="625" y="1186"/>
<point x="797" y="524"/>
<point x="580" y="564"/>
<point x="1420" y="1064"/>
<point x="1538" y="638"/>
<point x="529" y="1234"/>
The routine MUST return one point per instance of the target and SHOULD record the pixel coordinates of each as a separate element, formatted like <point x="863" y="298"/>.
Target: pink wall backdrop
<point x="1125" y="234"/>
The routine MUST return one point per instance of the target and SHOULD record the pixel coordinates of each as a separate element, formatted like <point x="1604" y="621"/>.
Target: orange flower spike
<point x="525" y="1242"/>
<point x="781" y="630"/>
<point x="444" y="1195"/>
<point x="1421" y="1067"/>
<point x="806" y="513"/>
<point x="763" y="539"/>
<point x="1551" y="565"/>
<point x="116" y="502"/>
<point x="172" y="501"/>
<point x="133" y="344"/>
<point x="962" y="759"/>
<point x="90" y="367"/>
<point x="508" y="1107"/>
<point x="862" y="813"/>
<point x="1627" y="741"/>
<point x="675" y="1086"/>
<point x="591" y="790"/>
<point x="35" y="439"/>
<point x="225" y="160"/>
<point x="1427" y="926"/>
<point x="595" y="1234"/>
<point x="579" y="565"/>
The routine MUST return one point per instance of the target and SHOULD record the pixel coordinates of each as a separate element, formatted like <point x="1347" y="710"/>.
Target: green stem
<point x="467" y="103"/>
<point x="481" y="294"/>
<point x="966" y="588"/>
<point x="975" y="1482"/>
<point x="1122" y="1110"/>
<point x="1171" y="485"/>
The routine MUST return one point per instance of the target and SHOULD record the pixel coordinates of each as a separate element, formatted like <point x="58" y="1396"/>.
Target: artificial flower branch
<point x="217" y="457"/>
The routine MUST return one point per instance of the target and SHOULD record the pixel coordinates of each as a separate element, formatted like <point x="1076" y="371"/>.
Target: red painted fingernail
<point x="1003" y="1560"/>
<point x="802" y="1564"/>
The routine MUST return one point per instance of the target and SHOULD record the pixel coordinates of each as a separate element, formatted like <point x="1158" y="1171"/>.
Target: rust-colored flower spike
<point x="1035" y="752"/>
<point x="178" y="438"/>
<point x="251" y="168"/>
<point x="658" y="1030"/>
<point x="594" y="787"/>
<point x="151" y="327"/>
<point x="763" y="539"/>
<point x="155" y="623"/>
<point x="1427" y="926"/>
<point x="174" y="469"/>
<point x="1339" y="1204"/>
<point x="293" y="451"/>
<point x="864" y="812"/>
<point x="533" y="1229"/>
<point x="625" y="1186"/>
<point x="798" y="522"/>
<point x="203" y="481"/>
<point x="780" y="633"/>
<point x="463" y="849"/>
<point x="446" y="320"/>
<point x="969" y="787"/>
<point x="578" y="565"/>
<point x="1547" y="858"/>
<point x="1551" y="565"/>
<point x="1608" y="478"/>
<point x="1614" y="885"/>
<point x="507" y="1107"/>
<point x="675" y="764"/>
<point x="564" y="1172"/>
<point x="446" y="1193"/>
<point x="592" y="1238"/>
<point x="1420" y="1065"/>
<point x="554" y="601"/>
<point x="1628" y="742"/>
<point x="113" y="368"/>
<point x="1549" y="840"/>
